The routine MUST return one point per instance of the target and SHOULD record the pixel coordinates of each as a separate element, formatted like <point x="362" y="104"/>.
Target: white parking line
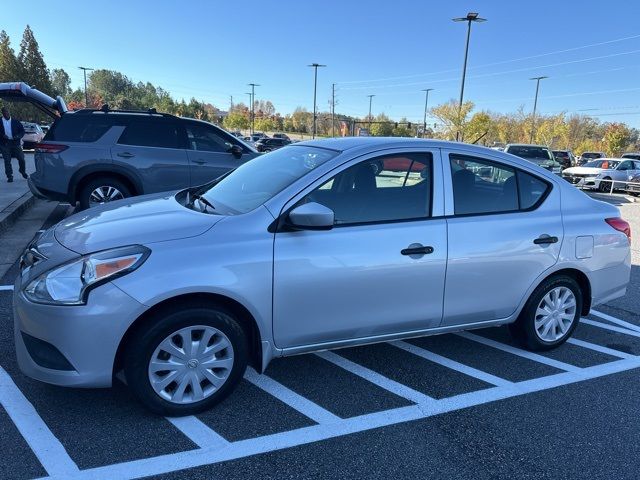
<point x="615" y="320"/>
<point x="376" y="378"/>
<point x="198" y="432"/>
<point x="183" y="460"/>
<point x="521" y="353"/>
<point x="599" y="348"/>
<point x="298" y="402"/>
<point x="452" y="364"/>
<point x="612" y="328"/>
<point x="6" y="287"/>
<point x="52" y="455"/>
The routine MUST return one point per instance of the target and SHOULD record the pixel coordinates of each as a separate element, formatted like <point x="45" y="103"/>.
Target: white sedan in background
<point x="585" y="175"/>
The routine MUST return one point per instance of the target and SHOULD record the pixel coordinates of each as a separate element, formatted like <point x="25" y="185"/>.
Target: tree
<point x="32" y="66"/>
<point x="302" y="120"/>
<point x="60" y="82"/>
<point x="236" y="120"/>
<point x="616" y="138"/>
<point x="9" y="67"/>
<point x="452" y="118"/>
<point x="383" y="129"/>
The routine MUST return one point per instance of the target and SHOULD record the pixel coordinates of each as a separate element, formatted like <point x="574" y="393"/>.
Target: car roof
<point x="525" y="145"/>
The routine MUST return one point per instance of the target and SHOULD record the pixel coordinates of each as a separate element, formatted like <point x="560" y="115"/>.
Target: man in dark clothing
<point x="11" y="135"/>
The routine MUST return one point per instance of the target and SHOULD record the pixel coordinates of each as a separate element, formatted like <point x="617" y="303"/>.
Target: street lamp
<point x="426" y="102"/>
<point x="535" y="104"/>
<point x="86" y="96"/>
<point x="253" y="100"/>
<point x="471" y="17"/>
<point x="315" y="87"/>
<point x="370" y="118"/>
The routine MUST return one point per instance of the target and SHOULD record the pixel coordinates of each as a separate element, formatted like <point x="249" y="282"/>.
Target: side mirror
<point x="236" y="151"/>
<point x="311" y="216"/>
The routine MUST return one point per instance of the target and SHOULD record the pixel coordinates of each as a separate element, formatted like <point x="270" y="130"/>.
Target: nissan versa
<point x="318" y="245"/>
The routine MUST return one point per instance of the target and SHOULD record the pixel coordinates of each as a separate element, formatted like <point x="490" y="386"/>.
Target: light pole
<point x="426" y="103"/>
<point x="471" y="17"/>
<point x="253" y="101"/>
<point x="333" y="109"/>
<point x="250" y="103"/>
<point x="86" y="96"/>
<point x="370" y="100"/>
<point x="535" y="104"/>
<point x="315" y="87"/>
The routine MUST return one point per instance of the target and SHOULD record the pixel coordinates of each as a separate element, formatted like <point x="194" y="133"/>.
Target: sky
<point x="211" y="50"/>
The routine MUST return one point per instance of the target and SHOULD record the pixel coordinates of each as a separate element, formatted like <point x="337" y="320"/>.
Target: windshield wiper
<point x="201" y="199"/>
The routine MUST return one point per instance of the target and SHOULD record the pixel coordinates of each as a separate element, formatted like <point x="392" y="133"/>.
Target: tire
<point x="605" y="185"/>
<point x="528" y="331"/>
<point x="145" y="347"/>
<point x="112" y="188"/>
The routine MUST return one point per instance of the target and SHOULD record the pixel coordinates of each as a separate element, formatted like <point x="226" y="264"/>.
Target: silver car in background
<point x="318" y="245"/>
<point x="619" y="174"/>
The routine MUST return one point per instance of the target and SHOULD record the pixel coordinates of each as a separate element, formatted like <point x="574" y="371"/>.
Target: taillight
<point x="620" y="225"/>
<point x="49" y="148"/>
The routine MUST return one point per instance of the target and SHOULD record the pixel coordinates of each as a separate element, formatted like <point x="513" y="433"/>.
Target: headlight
<point x="69" y="284"/>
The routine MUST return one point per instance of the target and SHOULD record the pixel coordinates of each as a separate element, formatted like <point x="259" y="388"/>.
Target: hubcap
<point x="555" y="314"/>
<point x="191" y="364"/>
<point x="105" y="194"/>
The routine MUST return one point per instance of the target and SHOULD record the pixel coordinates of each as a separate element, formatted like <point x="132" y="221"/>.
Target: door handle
<point x="125" y="155"/>
<point x="545" y="240"/>
<point x="199" y="161"/>
<point x="416" y="249"/>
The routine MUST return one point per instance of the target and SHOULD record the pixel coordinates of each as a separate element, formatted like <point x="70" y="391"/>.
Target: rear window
<point x="79" y="128"/>
<point x="161" y="134"/>
<point x="530" y="152"/>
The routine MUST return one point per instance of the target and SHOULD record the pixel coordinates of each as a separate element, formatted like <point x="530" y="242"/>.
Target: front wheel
<point x="605" y="186"/>
<point x="102" y="190"/>
<point x="187" y="361"/>
<point x="550" y="315"/>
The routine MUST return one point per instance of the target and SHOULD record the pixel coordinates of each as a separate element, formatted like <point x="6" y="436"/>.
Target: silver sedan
<point x="623" y="172"/>
<point x="318" y="245"/>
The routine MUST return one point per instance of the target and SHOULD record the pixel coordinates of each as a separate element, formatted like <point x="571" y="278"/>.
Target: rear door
<point x="209" y="152"/>
<point x="154" y="147"/>
<point x="504" y="230"/>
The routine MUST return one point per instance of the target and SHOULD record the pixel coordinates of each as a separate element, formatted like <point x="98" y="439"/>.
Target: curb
<point x="12" y="212"/>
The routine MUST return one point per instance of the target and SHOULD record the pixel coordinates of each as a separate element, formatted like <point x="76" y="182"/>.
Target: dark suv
<point x="96" y="156"/>
<point x="269" y="144"/>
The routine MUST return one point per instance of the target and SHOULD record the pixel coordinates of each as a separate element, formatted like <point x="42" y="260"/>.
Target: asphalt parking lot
<point x="470" y="405"/>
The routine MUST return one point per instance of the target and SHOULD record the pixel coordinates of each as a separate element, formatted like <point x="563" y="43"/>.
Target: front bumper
<point x="86" y="336"/>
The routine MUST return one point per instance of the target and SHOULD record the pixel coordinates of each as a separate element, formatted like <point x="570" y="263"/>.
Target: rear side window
<point x="481" y="186"/>
<point x="79" y="128"/>
<point x="161" y="134"/>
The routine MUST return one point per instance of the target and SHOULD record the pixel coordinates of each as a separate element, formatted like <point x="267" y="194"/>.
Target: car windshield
<point x="590" y="155"/>
<point x="531" y="152"/>
<point x="260" y="179"/>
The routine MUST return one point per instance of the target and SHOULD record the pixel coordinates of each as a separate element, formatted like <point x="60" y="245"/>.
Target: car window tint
<point x="79" y="128"/>
<point x="530" y="190"/>
<point x="389" y="188"/>
<point x="160" y="134"/>
<point x="206" y="139"/>
<point x="481" y="186"/>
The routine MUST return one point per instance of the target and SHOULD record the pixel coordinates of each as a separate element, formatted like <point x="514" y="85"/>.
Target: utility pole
<point x="471" y="17"/>
<point x="535" y="104"/>
<point x="315" y="87"/>
<point x="426" y="103"/>
<point x="250" y="101"/>
<point x="333" y="109"/>
<point x="230" y="102"/>
<point x="370" y="100"/>
<point x="253" y="101"/>
<point x="86" y="95"/>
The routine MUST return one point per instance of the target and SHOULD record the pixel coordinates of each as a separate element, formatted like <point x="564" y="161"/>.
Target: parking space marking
<point x="599" y="348"/>
<point x="612" y="328"/>
<point x="6" y="287"/>
<point x="452" y="364"/>
<point x="50" y="452"/>
<point x="289" y="397"/>
<point x="240" y="449"/>
<point x="521" y="353"/>
<point x="375" y="378"/>
<point x="198" y="432"/>
<point x="615" y="320"/>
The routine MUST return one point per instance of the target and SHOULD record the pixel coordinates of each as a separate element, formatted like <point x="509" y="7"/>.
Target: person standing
<point x="10" y="144"/>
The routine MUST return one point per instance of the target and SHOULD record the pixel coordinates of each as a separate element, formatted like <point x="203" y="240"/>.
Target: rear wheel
<point x="550" y="315"/>
<point x="102" y="190"/>
<point x="187" y="361"/>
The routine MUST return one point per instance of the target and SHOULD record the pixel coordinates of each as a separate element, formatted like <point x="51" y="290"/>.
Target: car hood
<point x="582" y="170"/>
<point x="141" y="220"/>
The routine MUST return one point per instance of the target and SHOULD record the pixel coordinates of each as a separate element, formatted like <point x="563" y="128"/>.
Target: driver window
<point x="205" y="139"/>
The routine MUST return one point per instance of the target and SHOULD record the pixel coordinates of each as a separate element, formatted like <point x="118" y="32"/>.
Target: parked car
<point x="633" y="188"/>
<point x="631" y="155"/>
<point x="624" y="171"/>
<point x="269" y="144"/>
<point x="565" y="157"/>
<point x="588" y="156"/>
<point x="281" y="135"/>
<point x="538" y="154"/>
<point x="32" y="134"/>
<point x="304" y="249"/>
<point x="257" y="136"/>
<point x="585" y="175"/>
